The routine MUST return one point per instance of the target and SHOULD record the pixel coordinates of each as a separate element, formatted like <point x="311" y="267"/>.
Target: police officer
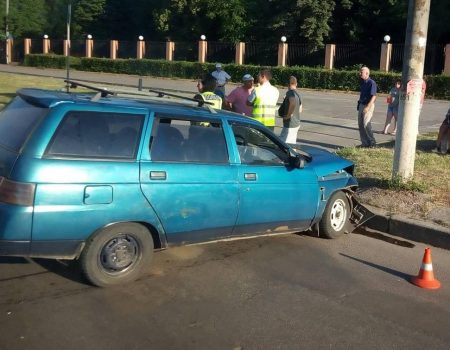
<point x="264" y="100"/>
<point x="206" y="87"/>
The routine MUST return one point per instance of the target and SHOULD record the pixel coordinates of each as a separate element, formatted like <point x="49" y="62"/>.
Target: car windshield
<point x="17" y="121"/>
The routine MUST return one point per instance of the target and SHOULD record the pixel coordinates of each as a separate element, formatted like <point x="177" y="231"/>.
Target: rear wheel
<point x="117" y="254"/>
<point x="335" y="217"/>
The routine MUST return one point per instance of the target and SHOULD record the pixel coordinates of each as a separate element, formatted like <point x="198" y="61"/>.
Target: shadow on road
<point x="329" y="124"/>
<point x="402" y="275"/>
<point x="319" y="144"/>
<point x="13" y="260"/>
<point x="65" y="268"/>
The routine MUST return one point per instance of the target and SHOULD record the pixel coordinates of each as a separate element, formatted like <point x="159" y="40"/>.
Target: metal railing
<point x="256" y="53"/>
<point x="304" y="55"/>
<point x="349" y="55"/>
<point x="263" y="54"/>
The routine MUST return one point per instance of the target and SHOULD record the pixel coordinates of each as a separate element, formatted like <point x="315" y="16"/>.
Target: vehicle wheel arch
<point x="324" y="225"/>
<point x="102" y="260"/>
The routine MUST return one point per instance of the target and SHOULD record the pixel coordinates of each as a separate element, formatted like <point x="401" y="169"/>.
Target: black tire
<point x="116" y="254"/>
<point x="335" y="217"/>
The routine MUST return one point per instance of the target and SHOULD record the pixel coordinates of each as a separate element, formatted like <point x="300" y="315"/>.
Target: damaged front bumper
<point x="360" y="214"/>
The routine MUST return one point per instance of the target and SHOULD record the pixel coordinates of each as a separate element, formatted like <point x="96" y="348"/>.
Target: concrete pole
<point x="410" y="94"/>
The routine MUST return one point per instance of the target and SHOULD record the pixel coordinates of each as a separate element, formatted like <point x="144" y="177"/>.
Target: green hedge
<point x="438" y="86"/>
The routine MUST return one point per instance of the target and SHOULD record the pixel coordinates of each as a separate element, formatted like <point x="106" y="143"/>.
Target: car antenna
<point x="200" y="102"/>
<point x="69" y="17"/>
<point x="101" y="92"/>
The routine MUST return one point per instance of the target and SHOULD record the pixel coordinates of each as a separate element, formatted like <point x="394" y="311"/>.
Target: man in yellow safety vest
<point x="206" y="88"/>
<point x="264" y="100"/>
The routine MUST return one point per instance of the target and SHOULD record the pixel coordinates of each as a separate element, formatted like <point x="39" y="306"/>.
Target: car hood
<point x="323" y="161"/>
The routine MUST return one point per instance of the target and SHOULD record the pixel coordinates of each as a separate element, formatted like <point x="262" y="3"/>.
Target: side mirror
<point x="296" y="161"/>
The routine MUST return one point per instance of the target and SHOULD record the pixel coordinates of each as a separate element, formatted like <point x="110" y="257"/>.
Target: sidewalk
<point x="329" y="121"/>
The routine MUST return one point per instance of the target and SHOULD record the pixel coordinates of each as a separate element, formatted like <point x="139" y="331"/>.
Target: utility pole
<point x="6" y="19"/>
<point x="410" y="94"/>
<point x="69" y="19"/>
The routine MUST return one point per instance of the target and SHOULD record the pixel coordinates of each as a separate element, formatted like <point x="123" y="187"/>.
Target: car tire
<point x="116" y="254"/>
<point x="335" y="217"/>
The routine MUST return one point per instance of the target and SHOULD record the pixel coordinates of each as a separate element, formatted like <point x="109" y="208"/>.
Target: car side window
<point x="97" y="135"/>
<point x="190" y="141"/>
<point x="257" y="148"/>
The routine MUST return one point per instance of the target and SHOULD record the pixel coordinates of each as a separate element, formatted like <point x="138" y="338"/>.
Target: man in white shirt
<point x="222" y="78"/>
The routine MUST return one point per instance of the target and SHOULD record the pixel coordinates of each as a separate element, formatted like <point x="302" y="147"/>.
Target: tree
<point x="26" y="18"/>
<point x="87" y="15"/>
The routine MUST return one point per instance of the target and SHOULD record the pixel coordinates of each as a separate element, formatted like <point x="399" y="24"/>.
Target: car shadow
<point x="13" y="260"/>
<point x="396" y="273"/>
<point x="65" y="268"/>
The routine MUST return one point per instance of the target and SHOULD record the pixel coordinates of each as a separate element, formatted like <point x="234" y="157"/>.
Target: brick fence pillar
<point x="447" y="60"/>
<point x="45" y="45"/>
<point x="66" y="47"/>
<point x="330" y="53"/>
<point x="89" y="47"/>
<point x="202" y="50"/>
<point x="240" y="53"/>
<point x="26" y="46"/>
<point x="170" y="50"/>
<point x="282" y="54"/>
<point x="385" y="57"/>
<point x="113" y="48"/>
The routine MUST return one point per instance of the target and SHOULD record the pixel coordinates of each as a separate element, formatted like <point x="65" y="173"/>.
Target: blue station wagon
<point x="108" y="180"/>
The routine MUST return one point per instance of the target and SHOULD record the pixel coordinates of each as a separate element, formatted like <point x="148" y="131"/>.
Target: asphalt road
<point x="283" y="292"/>
<point x="329" y="117"/>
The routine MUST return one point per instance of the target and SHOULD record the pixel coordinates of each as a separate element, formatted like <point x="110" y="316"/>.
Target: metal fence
<point x="155" y="50"/>
<point x="305" y="55"/>
<point x="220" y="52"/>
<point x="256" y="53"/>
<point x="262" y="54"/>
<point x="434" y="58"/>
<point x="127" y="49"/>
<point x="186" y="51"/>
<point x="351" y="55"/>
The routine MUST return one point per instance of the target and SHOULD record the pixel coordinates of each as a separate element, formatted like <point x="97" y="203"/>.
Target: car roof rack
<point x="103" y="92"/>
<point x="199" y="102"/>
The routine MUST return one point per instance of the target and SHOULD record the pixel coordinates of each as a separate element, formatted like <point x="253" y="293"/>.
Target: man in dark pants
<point x="366" y="105"/>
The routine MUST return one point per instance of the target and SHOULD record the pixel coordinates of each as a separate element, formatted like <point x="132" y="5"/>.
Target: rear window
<point x="17" y="121"/>
<point x="97" y="135"/>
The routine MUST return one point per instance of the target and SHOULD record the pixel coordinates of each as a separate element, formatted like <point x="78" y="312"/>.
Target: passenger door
<point x="273" y="196"/>
<point x="188" y="179"/>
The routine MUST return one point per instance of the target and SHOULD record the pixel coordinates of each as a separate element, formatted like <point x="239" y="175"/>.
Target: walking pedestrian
<point x="291" y="114"/>
<point x="206" y="89"/>
<point x="222" y="78"/>
<point x="443" y="139"/>
<point x="264" y="100"/>
<point x="392" y="110"/>
<point x="365" y="107"/>
<point x="237" y="99"/>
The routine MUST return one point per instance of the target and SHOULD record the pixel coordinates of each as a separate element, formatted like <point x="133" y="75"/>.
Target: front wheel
<point x="116" y="254"/>
<point x="335" y="217"/>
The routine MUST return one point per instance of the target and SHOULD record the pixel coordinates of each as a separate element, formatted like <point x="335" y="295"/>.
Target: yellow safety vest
<point x="212" y="97"/>
<point x="264" y="105"/>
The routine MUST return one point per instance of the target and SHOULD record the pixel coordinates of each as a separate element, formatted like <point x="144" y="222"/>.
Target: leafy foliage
<point x="307" y="21"/>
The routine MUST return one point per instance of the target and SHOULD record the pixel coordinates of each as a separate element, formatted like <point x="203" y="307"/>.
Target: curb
<point x="407" y="228"/>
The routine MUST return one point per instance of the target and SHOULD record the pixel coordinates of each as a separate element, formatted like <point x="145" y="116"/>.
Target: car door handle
<point x="158" y="175"/>
<point x="250" y="176"/>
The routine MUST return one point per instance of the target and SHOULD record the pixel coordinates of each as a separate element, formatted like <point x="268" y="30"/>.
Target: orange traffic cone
<point x="425" y="279"/>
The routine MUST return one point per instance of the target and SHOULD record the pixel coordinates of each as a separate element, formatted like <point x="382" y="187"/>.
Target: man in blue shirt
<point x="222" y="78"/>
<point x="366" y="105"/>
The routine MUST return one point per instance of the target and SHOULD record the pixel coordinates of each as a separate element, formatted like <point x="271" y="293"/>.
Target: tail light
<point x="17" y="193"/>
